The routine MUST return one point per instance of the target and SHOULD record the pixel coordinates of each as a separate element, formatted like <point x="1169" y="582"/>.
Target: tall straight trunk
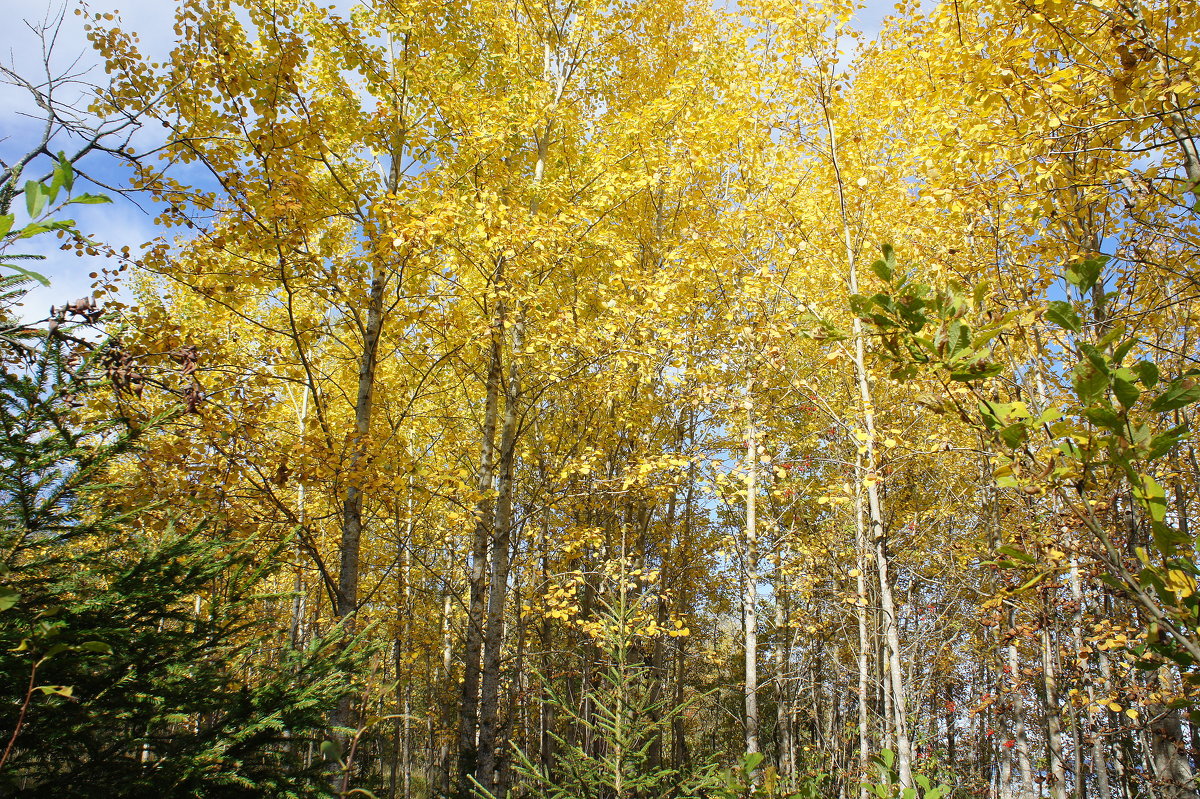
<point x="877" y="535"/>
<point x="403" y="674"/>
<point x="1017" y="700"/>
<point x="1056" y="772"/>
<point x="895" y="684"/>
<point x="864" y="637"/>
<point x="1117" y="750"/>
<point x="517" y="708"/>
<point x="783" y="739"/>
<point x="679" y="748"/>
<point x="352" y="503"/>
<point x="545" y="705"/>
<point x="443" y="766"/>
<point x="658" y="653"/>
<point x="402" y="751"/>
<point x="1099" y="765"/>
<point x="489" y="715"/>
<point x="468" y="722"/>
<point x="750" y="584"/>
<point x="300" y="600"/>
<point x="1004" y="778"/>
<point x="888" y="740"/>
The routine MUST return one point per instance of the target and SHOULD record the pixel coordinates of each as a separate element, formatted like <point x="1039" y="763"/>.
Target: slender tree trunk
<point x="489" y="720"/>
<point x="1017" y="700"/>
<point x="874" y="505"/>
<point x="783" y="740"/>
<point x="444" y="769"/>
<point x="864" y="636"/>
<point x="888" y="740"/>
<point x="300" y="601"/>
<point x="403" y="673"/>
<point x="750" y="584"/>
<point x="1099" y="769"/>
<point x="679" y="747"/>
<point x="352" y="504"/>
<point x="468" y="724"/>
<point x="1056" y="773"/>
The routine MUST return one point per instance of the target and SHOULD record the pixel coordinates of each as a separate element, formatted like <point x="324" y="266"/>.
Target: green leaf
<point x="35" y="198"/>
<point x="1018" y="554"/>
<point x="60" y="690"/>
<point x="6" y="223"/>
<point x="1048" y="416"/>
<point x="56" y="649"/>
<point x="1062" y="314"/>
<point x="90" y="199"/>
<point x="752" y="761"/>
<point x="1007" y="480"/>
<point x="1014" y="434"/>
<point x="881" y="268"/>
<point x="1153" y="498"/>
<point x="96" y="646"/>
<point x="8" y="597"/>
<point x="1031" y="582"/>
<point x="1085" y="274"/>
<point x="1181" y="392"/>
<point x="1089" y="382"/>
<point x="29" y="273"/>
<point x="1095" y="356"/>
<point x="1123" y="349"/>
<point x="66" y="169"/>
<point x="1162" y="444"/>
<point x="994" y="413"/>
<point x="976" y="371"/>
<point x="33" y="229"/>
<point x="331" y="751"/>
<point x="1126" y="392"/>
<point x="1147" y="372"/>
<point x="1167" y="539"/>
<point x="958" y="338"/>
<point x="889" y="257"/>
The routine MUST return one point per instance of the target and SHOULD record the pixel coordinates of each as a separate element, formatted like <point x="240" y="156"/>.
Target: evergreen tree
<point x="131" y="663"/>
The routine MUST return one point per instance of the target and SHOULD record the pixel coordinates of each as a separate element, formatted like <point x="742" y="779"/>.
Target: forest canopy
<point x="609" y="398"/>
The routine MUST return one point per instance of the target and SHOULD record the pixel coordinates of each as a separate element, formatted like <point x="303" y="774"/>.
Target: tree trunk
<point x="1171" y="765"/>
<point x="1017" y="700"/>
<point x="443" y="766"/>
<point x="1056" y="773"/>
<point x="874" y="506"/>
<point x="864" y="637"/>
<point x="489" y="716"/>
<point x="750" y="585"/>
<point x="352" y="504"/>
<point x="783" y="739"/>
<point x="468" y="724"/>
